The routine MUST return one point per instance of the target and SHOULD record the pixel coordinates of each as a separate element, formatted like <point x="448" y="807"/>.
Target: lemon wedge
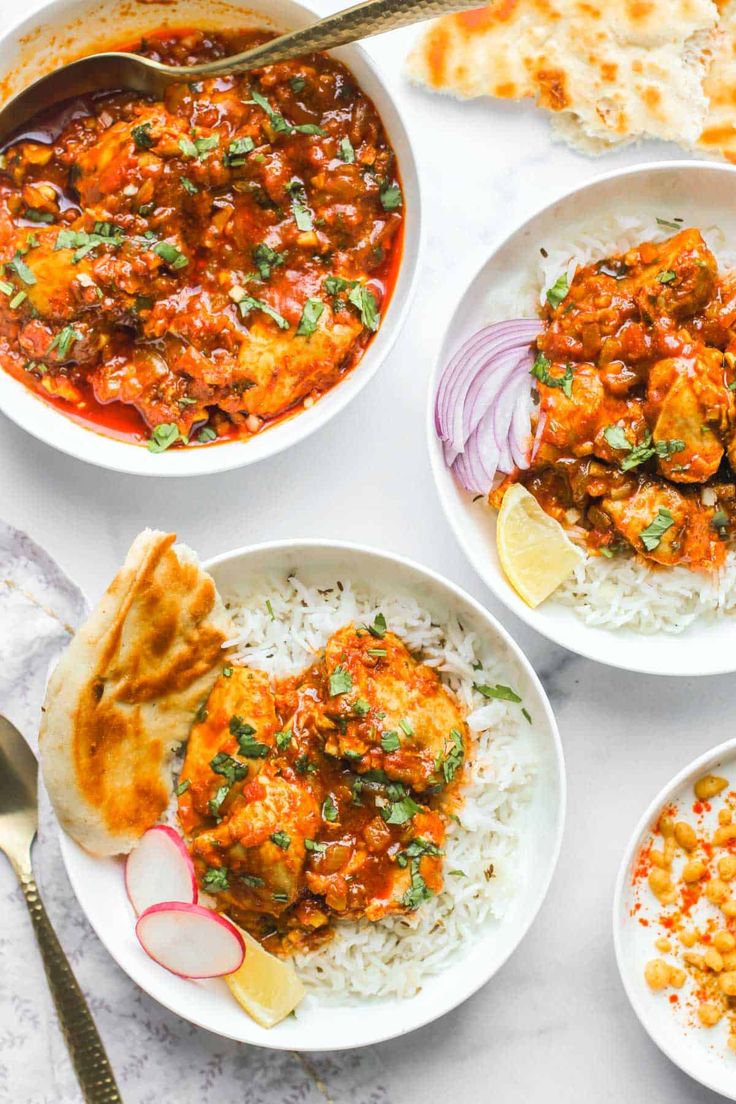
<point x="265" y="986"/>
<point x="535" y="553"/>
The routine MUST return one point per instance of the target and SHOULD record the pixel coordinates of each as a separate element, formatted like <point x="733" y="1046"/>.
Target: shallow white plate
<point x="63" y="29"/>
<point x="98" y="883"/>
<point x="703" y="195"/>
<point x="700" y="1052"/>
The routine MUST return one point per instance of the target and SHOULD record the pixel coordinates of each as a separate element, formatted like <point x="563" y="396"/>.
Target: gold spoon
<point x="108" y="71"/>
<point x="18" y="826"/>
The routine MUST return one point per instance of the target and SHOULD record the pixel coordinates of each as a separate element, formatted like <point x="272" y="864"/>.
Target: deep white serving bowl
<point x="98" y="883"/>
<point x="700" y="1052"/>
<point x="703" y="195"/>
<point x="63" y="29"/>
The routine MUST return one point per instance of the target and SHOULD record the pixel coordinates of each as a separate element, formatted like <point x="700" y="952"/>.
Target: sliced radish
<point x="160" y="869"/>
<point x="190" y="941"/>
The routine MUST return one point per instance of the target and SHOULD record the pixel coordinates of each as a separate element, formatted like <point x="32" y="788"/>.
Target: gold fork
<point x="18" y="827"/>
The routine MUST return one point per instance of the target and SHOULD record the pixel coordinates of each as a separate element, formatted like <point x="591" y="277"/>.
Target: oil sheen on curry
<point x="635" y="373"/>
<point x="323" y="795"/>
<point x="184" y="271"/>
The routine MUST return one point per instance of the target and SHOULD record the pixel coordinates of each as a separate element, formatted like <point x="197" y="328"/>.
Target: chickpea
<point x="727" y="983"/>
<point x="657" y="858"/>
<point x="677" y="977"/>
<point x="661" y="886"/>
<point x="694" y="959"/>
<point x="669" y="850"/>
<point x="693" y="871"/>
<point x="729" y="960"/>
<point x="723" y="941"/>
<point x="666" y="825"/>
<point x="728" y="908"/>
<point x="688" y="938"/>
<point x="727" y="867"/>
<point x="713" y="960"/>
<point x="663" y="945"/>
<point x="724" y="817"/>
<point x="724" y="834"/>
<point x="657" y="974"/>
<point x="709" y="1013"/>
<point x="685" y="836"/>
<point x="708" y="786"/>
<point x="717" y="891"/>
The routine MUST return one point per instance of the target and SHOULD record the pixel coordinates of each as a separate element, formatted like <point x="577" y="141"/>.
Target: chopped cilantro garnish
<point x="215" y="803"/>
<point x="283" y="738"/>
<point x="198" y="148"/>
<point x="418" y="846"/>
<point x="666" y="277"/>
<point x="361" y="707"/>
<point x="236" y="151"/>
<point x="18" y="299"/>
<point x="297" y="84"/>
<point x="405" y="726"/>
<point x="244" y="733"/>
<point x="639" y="454"/>
<point x="345" y="151"/>
<point x="183" y="786"/>
<point x="201" y="715"/>
<point x="390" y="741"/>
<point x="311" y="314"/>
<point x="33" y="214"/>
<point x="142" y="137"/>
<point x="499" y="692"/>
<point x="363" y="299"/>
<point x="540" y="370"/>
<point x="227" y="672"/>
<point x="163" y="437"/>
<point x="526" y="714"/>
<point x="20" y="267"/>
<point x="652" y="535"/>
<point x="63" y="342"/>
<point x="401" y="810"/>
<point x="313" y="845"/>
<point x="390" y="196"/>
<point x="189" y="186"/>
<point x="215" y="879"/>
<point x="559" y="291"/>
<point x="299" y="209"/>
<point x="170" y="254"/>
<point x="251" y="880"/>
<point x="266" y="259"/>
<point x="281" y="839"/>
<point x="379" y="627"/>
<point x="340" y="682"/>
<point x="329" y="809"/>
<point x="230" y="769"/>
<point x="248" y="303"/>
<point x="206" y="434"/>
<point x="453" y="757"/>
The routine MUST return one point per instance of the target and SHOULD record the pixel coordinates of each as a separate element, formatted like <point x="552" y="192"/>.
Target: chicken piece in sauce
<point x="387" y="712"/>
<point x="290" y="825"/>
<point x="636" y="386"/>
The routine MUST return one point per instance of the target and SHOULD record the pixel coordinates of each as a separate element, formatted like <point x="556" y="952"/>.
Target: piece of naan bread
<point x="613" y="71"/>
<point x="719" y="130"/>
<point x="123" y="696"/>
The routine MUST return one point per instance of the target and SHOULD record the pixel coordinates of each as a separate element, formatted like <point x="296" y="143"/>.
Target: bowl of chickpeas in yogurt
<point x="674" y="921"/>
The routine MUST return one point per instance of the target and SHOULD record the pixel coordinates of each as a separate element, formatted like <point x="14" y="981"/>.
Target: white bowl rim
<point x="453" y="1000"/>
<point x="503" y="591"/>
<point x="225" y="457"/>
<point x="643" y="827"/>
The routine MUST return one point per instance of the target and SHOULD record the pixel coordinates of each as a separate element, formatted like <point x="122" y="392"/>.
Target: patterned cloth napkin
<point x="157" y="1057"/>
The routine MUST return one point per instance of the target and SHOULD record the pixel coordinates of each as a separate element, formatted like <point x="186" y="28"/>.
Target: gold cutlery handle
<point x="361" y="21"/>
<point x="87" y="1052"/>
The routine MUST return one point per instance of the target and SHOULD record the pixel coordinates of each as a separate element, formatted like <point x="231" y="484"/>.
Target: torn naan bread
<point x="123" y="696"/>
<point x="613" y="71"/>
<point x="719" y="131"/>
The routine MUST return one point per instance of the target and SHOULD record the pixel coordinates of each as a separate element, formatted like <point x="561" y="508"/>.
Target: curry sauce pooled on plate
<point x="325" y="794"/>
<point x="190" y="270"/>
<point x="636" y="420"/>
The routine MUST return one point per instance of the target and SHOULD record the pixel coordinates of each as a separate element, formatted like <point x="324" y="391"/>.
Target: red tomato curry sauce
<point x="185" y="271"/>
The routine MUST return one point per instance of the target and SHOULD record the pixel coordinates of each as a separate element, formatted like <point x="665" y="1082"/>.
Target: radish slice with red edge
<point x="483" y="405"/>
<point x="189" y="940"/>
<point x="160" y="869"/>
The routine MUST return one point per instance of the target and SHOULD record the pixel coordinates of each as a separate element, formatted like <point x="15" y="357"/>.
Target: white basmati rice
<point x="282" y="625"/>
<point x="623" y="593"/>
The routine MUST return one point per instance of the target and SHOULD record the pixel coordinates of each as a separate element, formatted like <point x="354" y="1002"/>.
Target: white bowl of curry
<point x="193" y="285"/>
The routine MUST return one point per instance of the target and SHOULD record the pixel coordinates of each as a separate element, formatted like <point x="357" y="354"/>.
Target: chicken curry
<point x="184" y="271"/>
<point x="636" y="422"/>
<point x="325" y="794"/>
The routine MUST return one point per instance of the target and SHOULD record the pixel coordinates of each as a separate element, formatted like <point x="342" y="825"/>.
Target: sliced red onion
<point x="476" y="355"/>
<point x="483" y="404"/>
<point x="541" y="423"/>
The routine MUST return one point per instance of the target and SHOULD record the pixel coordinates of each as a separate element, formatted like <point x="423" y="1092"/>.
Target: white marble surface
<point x="554" y="1024"/>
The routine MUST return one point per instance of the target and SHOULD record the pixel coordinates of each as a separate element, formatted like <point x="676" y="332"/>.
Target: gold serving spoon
<point x="109" y="71"/>
<point x="18" y="826"/>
